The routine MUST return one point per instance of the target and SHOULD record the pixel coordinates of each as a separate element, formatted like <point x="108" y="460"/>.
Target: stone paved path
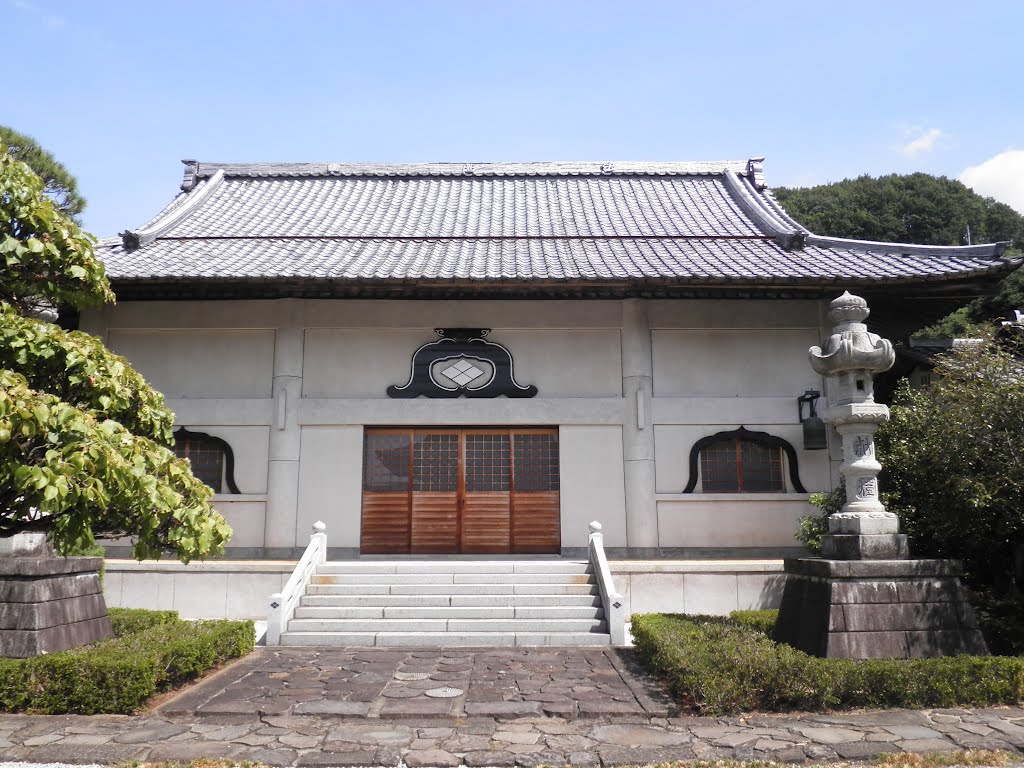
<point x="515" y="707"/>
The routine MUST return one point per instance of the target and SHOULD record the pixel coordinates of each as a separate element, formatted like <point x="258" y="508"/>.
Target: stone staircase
<point x="432" y="603"/>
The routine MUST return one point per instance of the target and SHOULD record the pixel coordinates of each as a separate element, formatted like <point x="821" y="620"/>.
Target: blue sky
<point x="121" y="91"/>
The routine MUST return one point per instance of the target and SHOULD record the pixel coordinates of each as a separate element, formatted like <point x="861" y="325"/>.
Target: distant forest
<point x="917" y="208"/>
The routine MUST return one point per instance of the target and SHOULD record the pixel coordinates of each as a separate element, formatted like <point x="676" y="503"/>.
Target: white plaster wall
<point x="731" y="520"/>
<point x="246" y="518"/>
<point x="713" y="362"/>
<point x="330" y="484"/>
<point x="346" y="362"/>
<point x="592" y="488"/>
<point x="200" y="363"/>
<point x="734" y="313"/>
<point x="566" y="363"/>
<point x="717" y="364"/>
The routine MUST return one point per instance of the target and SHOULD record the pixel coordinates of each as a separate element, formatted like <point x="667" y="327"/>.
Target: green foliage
<point x="131" y="621"/>
<point x="78" y="369"/>
<point x="717" y="666"/>
<point x="66" y="472"/>
<point x="147" y="655"/>
<point x="913" y="208"/>
<point x="1001" y="619"/>
<point x="46" y="256"/>
<point x="953" y="465"/>
<point x="60" y="185"/>
<point x="813" y="527"/>
<point x="84" y="440"/>
<point x="762" y="621"/>
<point x="956" y="325"/>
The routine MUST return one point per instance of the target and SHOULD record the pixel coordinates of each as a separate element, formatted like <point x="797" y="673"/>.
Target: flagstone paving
<point x="514" y="707"/>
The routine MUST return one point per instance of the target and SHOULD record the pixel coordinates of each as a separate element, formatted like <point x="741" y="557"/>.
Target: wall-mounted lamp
<point x="814" y="427"/>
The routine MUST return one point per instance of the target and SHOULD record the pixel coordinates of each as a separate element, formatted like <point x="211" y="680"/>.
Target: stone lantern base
<point x="48" y="603"/>
<point x="877" y="609"/>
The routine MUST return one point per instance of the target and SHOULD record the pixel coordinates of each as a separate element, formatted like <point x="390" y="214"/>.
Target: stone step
<point x="349" y="626"/>
<point x="443" y="612"/>
<point x="445" y="639"/>
<point x="456" y="566"/>
<point x="453" y="589"/>
<point x="451" y="578"/>
<point x="462" y="601"/>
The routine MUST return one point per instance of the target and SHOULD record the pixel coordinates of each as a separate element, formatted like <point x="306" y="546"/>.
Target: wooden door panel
<point x="486" y="523"/>
<point x="444" y="491"/>
<point x="385" y="528"/>
<point x="536" y="523"/>
<point x="435" y="523"/>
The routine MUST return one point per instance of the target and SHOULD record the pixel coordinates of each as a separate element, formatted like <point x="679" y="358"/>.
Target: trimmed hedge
<point x="152" y="651"/>
<point x="130" y="621"/>
<point x="718" y="666"/>
<point x="762" y="621"/>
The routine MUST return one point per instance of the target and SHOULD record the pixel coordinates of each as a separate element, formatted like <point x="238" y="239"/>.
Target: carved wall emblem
<point x="461" y="363"/>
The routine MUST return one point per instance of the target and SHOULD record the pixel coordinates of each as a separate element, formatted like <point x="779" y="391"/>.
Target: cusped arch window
<point x="743" y="461"/>
<point x="212" y="460"/>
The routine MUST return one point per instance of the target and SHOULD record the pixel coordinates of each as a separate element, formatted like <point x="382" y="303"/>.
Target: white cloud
<point x="1001" y="177"/>
<point x="922" y="141"/>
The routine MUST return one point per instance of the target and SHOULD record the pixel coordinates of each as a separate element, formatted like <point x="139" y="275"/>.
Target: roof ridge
<point x="986" y="250"/>
<point x="179" y="210"/>
<point x="196" y="170"/>
<point x="754" y="205"/>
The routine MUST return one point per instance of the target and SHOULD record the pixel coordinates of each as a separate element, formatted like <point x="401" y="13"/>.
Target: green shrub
<point x="762" y="621"/>
<point x="152" y="651"/>
<point x="717" y="666"/>
<point x="129" y="621"/>
<point x="1001" y="619"/>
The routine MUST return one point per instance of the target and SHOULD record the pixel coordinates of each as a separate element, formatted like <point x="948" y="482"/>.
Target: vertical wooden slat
<point x="536" y="511"/>
<point x="386" y="523"/>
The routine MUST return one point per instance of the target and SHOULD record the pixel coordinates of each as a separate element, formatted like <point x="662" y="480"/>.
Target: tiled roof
<point x="523" y="223"/>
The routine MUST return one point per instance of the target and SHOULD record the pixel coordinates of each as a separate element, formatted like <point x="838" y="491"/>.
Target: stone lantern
<point x="862" y="530"/>
<point x="865" y="598"/>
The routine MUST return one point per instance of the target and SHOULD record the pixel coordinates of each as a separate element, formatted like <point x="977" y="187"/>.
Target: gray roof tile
<point x="523" y="223"/>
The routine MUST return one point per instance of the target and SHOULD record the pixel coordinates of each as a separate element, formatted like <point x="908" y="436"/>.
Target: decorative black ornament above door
<point x="462" y="363"/>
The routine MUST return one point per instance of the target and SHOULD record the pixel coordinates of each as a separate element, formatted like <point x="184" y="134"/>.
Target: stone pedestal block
<point x="877" y="609"/>
<point x="50" y="604"/>
<point x="870" y="546"/>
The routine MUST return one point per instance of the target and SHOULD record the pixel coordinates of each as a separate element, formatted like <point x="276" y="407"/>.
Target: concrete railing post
<point x="281" y="605"/>
<point x="611" y="600"/>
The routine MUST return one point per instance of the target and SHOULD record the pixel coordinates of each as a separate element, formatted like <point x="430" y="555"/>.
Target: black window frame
<point x="183" y="436"/>
<point x="745" y="435"/>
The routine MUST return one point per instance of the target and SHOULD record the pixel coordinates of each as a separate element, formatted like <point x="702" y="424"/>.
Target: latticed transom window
<point x="536" y="462"/>
<point x="738" y="465"/>
<point x="206" y="454"/>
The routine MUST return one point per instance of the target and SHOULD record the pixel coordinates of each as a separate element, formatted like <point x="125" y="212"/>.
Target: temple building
<point x="482" y="358"/>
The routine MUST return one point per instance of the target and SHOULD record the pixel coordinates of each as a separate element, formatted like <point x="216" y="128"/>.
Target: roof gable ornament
<point x="458" y="364"/>
<point x="755" y="172"/>
<point x="191" y="177"/>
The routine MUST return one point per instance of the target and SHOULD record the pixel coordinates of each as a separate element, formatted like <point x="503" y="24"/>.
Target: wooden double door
<point x="489" y="490"/>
